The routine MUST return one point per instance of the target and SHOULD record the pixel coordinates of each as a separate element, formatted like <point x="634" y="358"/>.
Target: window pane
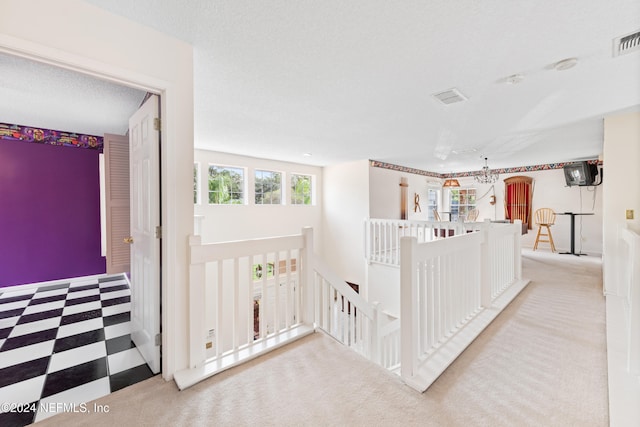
<point x="301" y="190"/>
<point x="461" y="201"/>
<point x="268" y="187"/>
<point x="196" y="169"/>
<point x="226" y="185"/>
<point x="432" y="204"/>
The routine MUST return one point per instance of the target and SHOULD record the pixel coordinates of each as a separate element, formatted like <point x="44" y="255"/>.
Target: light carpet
<point x="542" y="362"/>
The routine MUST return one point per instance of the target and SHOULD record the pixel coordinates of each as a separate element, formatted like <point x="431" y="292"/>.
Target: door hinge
<point x="158" y="232"/>
<point x="158" y="339"/>
<point x="157" y="123"/>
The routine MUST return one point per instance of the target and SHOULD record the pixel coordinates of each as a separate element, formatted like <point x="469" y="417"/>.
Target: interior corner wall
<point x="621" y="158"/>
<point x="384" y="196"/>
<point x="50" y="213"/>
<point x="345" y="207"/>
<point x="223" y="223"/>
<point x="103" y="44"/>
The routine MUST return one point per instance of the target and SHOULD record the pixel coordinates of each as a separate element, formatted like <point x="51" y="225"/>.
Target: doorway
<point x="89" y="314"/>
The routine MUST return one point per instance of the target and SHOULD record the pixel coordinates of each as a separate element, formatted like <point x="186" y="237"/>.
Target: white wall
<point x="83" y="37"/>
<point x="345" y="207"/>
<point x="622" y="187"/>
<point x="384" y="193"/>
<point x="222" y="223"/>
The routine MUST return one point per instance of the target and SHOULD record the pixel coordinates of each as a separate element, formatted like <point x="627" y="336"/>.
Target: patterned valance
<point x="51" y="137"/>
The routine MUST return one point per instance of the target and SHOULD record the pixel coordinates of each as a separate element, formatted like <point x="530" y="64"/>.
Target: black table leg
<point x="573" y="237"/>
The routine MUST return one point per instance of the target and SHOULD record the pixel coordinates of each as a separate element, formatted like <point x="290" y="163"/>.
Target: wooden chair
<point x="472" y="215"/>
<point x="545" y="217"/>
<point x="441" y="232"/>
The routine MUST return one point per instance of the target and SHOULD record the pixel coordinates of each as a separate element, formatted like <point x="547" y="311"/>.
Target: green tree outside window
<point x="226" y="185"/>
<point x="301" y="190"/>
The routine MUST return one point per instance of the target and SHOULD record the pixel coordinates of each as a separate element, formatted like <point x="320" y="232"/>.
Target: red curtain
<point x="517" y="201"/>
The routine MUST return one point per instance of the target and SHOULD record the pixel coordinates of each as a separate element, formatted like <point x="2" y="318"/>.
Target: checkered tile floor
<point x="64" y="343"/>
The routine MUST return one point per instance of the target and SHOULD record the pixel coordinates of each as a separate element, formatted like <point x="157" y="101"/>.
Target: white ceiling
<point x="349" y="80"/>
<point x="41" y="95"/>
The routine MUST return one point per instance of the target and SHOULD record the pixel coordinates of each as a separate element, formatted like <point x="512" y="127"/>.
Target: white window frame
<point x="312" y="190"/>
<point x="469" y="207"/>
<point x="282" y="192"/>
<point x="197" y="191"/>
<point x="244" y="184"/>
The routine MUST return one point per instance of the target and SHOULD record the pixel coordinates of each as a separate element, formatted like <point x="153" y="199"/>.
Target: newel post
<point x="408" y="308"/>
<point x="376" y="345"/>
<point x="307" y="285"/>
<point x="485" y="266"/>
<point x="197" y="351"/>
<point x="517" y="249"/>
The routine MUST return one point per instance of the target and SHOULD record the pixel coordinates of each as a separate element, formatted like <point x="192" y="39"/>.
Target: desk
<point x="573" y="231"/>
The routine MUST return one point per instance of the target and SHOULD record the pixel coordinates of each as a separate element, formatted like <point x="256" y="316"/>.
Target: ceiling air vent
<point x="626" y="44"/>
<point x="450" y="96"/>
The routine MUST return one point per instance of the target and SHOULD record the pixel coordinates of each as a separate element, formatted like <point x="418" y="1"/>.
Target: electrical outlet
<point x="629" y="213"/>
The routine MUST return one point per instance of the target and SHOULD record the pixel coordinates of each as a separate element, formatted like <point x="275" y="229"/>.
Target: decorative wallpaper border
<point x="518" y="169"/>
<point x="23" y="133"/>
<point x="390" y="166"/>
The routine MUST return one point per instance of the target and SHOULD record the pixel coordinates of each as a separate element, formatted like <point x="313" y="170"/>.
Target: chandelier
<point x="485" y="176"/>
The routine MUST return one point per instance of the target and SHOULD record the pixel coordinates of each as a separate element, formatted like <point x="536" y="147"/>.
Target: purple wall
<point x="49" y="213"/>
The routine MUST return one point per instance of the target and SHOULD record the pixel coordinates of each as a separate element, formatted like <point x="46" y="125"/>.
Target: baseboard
<point x="191" y="376"/>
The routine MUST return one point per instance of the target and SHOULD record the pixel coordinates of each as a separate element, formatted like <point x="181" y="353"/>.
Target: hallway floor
<point x="63" y="344"/>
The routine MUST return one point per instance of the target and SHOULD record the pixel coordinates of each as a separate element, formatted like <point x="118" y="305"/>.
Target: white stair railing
<point x="250" y="297"/>
<point x="389" y="339"/>
<point x="345" y="315"/>
<point x="451" y="289"/>
<point x="382" y="236"/>
<point x="245" y="298"/>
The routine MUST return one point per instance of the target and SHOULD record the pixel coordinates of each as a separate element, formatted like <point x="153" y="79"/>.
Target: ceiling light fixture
<point x="448" y="183"/>
<point x="565" y="64"/>
<point x="486" y="176"/>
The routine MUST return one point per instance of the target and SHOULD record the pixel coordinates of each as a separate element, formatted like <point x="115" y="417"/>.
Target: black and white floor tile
<point x="64" y="344"/>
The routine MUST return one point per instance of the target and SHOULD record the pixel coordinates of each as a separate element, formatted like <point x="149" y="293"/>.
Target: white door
<point x="144" y="153"/>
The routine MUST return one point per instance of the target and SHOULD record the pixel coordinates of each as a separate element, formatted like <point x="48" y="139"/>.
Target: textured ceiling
<point x="349" y="80"/>
<point x="36" y="94"/>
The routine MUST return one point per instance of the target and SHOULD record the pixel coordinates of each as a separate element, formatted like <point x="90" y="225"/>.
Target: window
<point x="432" y="204"/>
<point x="268" y="187"/>
<point x="196" y="192"/>
<point x="301" y="189"/>
<point x="258" y="270"/>
<point x="461" y="202"/>
<point x="226" y="185"/>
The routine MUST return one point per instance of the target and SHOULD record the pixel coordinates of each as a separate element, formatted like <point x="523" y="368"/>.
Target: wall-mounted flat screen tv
<point x="580" y="173"/>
